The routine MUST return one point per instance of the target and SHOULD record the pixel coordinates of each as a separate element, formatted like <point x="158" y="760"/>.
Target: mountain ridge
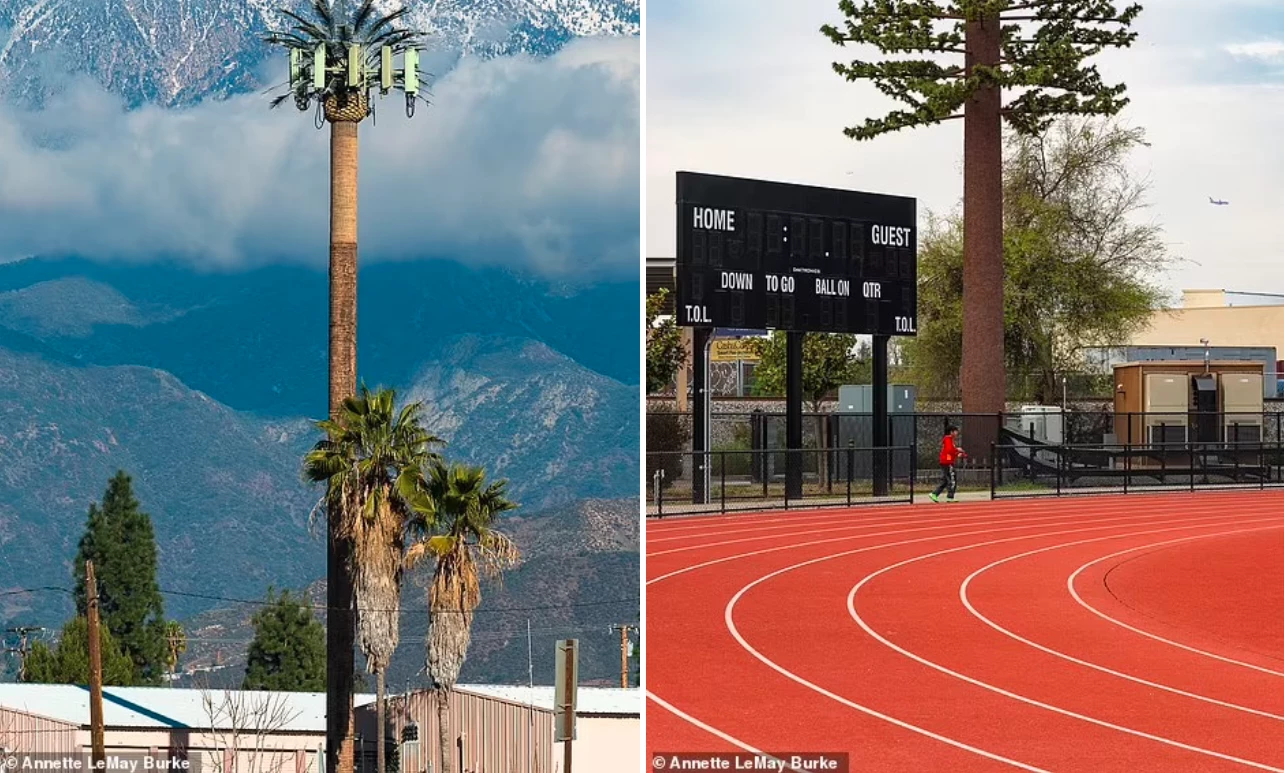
<point x="179" y="52"/>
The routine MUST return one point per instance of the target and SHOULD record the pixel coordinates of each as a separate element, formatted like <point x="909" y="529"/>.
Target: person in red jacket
<point x="951" y="452"/>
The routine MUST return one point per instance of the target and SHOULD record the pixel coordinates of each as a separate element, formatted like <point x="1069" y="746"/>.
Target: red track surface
<point x="1138" y="633"/>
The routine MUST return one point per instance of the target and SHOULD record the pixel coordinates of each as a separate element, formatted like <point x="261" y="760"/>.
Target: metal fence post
<point x="913" y="468"/>
<point x="994" y="459"/>
<point x="723" y="484"/>
<point x="659" y="490"/>
<point x="1127" y="466"/>
<point x="1191" y="448"/>
<point x="851" y="468"/>
<point x="766" y="468"/>
<point x="789" y="461"/>
<point x="1061" y="463"/>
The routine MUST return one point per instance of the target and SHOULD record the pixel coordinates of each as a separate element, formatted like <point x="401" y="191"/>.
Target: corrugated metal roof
<point x="164" y="707"/>
<point x="589" y="700"/>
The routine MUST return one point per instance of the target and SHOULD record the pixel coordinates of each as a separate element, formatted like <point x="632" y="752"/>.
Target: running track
<point x="1138" y="633"/>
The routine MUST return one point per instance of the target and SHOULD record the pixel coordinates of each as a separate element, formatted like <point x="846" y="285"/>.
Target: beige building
<point x="495" y="729"/>
<point x="1222" y="317"/>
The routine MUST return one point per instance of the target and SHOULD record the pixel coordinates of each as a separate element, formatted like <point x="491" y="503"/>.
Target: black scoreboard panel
<point x="764" y="255"/>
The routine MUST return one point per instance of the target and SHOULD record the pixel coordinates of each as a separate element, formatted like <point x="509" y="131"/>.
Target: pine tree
<point x="119" y="539"/>
<point x="288" y="651"/>
<point x="68" y="662"/>
<point x="1037" y="49"/>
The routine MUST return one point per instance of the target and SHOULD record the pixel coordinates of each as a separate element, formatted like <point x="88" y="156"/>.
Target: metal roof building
<point x="498" y="728"/>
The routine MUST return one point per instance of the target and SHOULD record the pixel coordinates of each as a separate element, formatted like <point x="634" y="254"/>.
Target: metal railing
<point x="725" y="481"/>
<point x="1113" y="468"/>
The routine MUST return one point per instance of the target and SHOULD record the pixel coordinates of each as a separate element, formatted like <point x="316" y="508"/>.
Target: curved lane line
<point x="1027" y="524"/>
<point x="959" y="520"/>
<point x="978" y="615"/>
<point x="1100" y="505"/>
<point x="728" y="617"/>
<point x="1079" y="600"/>
<point x="851" y="609"/>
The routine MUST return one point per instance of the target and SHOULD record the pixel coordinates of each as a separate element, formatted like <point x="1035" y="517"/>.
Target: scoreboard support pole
<point x="881" y="466"/>
<point x="793" y="414"/>
<point x="701" y="337"/>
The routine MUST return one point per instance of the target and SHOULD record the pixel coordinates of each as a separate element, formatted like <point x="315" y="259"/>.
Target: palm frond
<point x="363" y="15"/>
<point x="324" y="12"/>
<point x="321" y="35"/>
<point x="389" y="19"/>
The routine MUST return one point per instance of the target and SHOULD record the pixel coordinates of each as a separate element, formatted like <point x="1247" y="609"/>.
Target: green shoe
<point x="934" y="498"/>
<point x="952" y="500"/>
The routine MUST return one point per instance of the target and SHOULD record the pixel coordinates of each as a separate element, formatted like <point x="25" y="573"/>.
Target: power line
<point x="324" y="608"/>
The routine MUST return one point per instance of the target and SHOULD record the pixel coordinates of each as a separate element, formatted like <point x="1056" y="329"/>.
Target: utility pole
<point x="624" y="651"/>
<point x="95" y="671"/>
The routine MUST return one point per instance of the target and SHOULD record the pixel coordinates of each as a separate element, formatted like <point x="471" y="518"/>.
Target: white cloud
<point x="760" y="99"/>
<point x="527" y="162"/>
<point x="1265" y="50"/>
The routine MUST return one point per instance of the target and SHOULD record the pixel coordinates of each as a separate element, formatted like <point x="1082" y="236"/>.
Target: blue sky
<point x="745" y="87"/>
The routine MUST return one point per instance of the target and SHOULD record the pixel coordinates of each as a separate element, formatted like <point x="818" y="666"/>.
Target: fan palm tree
<point x="343" y="98"/>
<point x="176" y="645"/>
<point x="456" y="528"/>
<point x="372" y="461"/>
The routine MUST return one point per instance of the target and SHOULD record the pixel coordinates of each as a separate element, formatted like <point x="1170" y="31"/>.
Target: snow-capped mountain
<point x="175" y="52"/>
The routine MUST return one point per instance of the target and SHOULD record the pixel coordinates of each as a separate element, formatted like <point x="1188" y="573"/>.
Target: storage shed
<point x="1188" y="401"/>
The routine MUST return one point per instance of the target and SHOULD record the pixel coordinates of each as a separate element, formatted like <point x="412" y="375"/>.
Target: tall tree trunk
<point x="983" y="378"/>
<point x="443" y="729"/>
<point x="381" y="719"/>
<point x="343" y="384"/>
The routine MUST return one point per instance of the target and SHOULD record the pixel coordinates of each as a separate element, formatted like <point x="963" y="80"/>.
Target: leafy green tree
<point x="1036" y="49"/>
<point x="830" y="360"/>
<point x="288" y="650"/>
<point x="119" y="539"/>
<point x="1080" y="266"/>
<point x="664" y="350"/>
<point x="68" y="662"/>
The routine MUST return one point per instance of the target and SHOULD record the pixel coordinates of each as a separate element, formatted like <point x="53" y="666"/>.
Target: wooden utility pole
<point x="624" y="651"/>
<point x="95" y="671"/>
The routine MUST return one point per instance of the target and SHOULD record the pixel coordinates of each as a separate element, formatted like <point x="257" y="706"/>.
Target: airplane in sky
<point x="1217" y="202"/>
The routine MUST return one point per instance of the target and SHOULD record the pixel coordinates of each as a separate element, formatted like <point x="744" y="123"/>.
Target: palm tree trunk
<point x="381" y="715"/>
<point x="443" y="729"/>
<point x="343" y="384"/>
<point x="983" y="378"/>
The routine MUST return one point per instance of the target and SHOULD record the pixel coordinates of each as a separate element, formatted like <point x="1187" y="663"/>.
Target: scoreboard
<point x="766" y="255"/>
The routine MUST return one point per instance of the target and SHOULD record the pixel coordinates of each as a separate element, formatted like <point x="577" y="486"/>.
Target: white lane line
<point x="1101" y="504"/>
<point x="851" y="609"/>
<point x="786" y="517"/>
<point x="728" y="616"/>
<point x="793" y="531"/>
<point x="1070" y="581"/>
<point x="703" y="726"/>
<point x="1029" y="523"/>
<point x="963" y="595"/>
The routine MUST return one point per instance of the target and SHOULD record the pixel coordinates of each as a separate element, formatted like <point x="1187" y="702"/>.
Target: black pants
<point x="948" y="481"/>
